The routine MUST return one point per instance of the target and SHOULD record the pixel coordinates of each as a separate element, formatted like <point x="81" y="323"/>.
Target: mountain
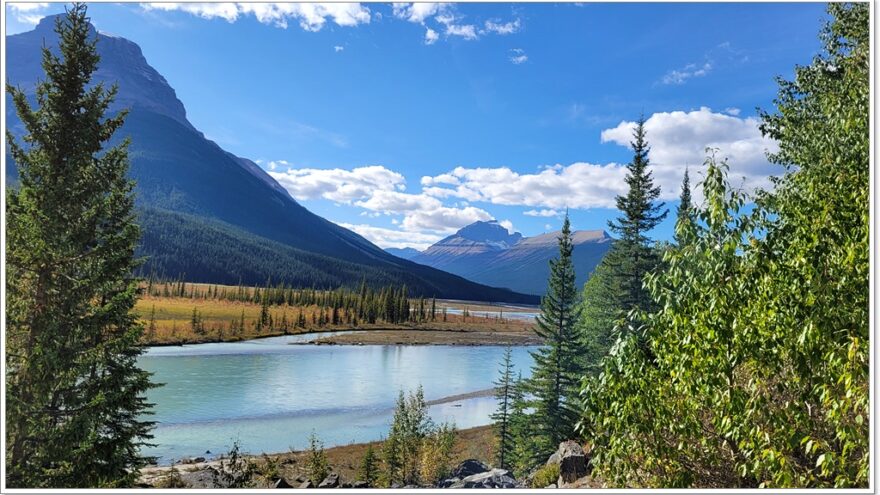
<point x="486" y="253"/>
<point x="405" y="253"/>
<point x="202" y="190"/>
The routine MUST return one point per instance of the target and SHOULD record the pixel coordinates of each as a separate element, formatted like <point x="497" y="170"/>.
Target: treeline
<point x="738" y="355"/>
<point x="387" y="304"/>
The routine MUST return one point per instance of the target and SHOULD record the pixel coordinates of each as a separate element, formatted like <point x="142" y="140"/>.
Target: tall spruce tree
<point x="632" y="255"/>
<point x="558" y="362"/>
<point x="685" y="207"/>
<point x="504" y="394"/>
<point x="74" y="393"/>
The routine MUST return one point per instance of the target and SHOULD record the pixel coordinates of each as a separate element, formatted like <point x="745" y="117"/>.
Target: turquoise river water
<point x="270" y="395"/>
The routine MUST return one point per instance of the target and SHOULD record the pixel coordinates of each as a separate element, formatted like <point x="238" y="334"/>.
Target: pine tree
<point x="75" y="396"/>
<point x="368" y="472"/>
<point x="521" y="455"/>
<point x="316" y="462"/>
<point x="504" y="395"/>
<point x="632" y="255"/>
<point x="558" y="363"/>
<point x="685" y="208"/>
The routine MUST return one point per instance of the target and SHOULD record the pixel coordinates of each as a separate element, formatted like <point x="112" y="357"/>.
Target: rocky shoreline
<point x="571" y="461"/>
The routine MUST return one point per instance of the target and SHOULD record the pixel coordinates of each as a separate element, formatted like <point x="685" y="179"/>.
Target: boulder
<point x="572" y="461"/>
<point x="360" y="484"/>
<point x="281" y="483"/>
<point x="469" y="467"/>
<point x="331" y="481"/>
<point x="447" y="483"/>
<point x="306" y="484"/>
<point x="551" y="486"/>
<point x="495" y="478"/>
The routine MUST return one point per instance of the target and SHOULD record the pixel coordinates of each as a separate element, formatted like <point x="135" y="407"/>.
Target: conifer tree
<point x="74" y="394"/>
<point x="685" y="208"/>
<point x="558" y="362"/>
<point x="632" y="255"/>
<point x="368" y="472"/>
<point x="504" y="394"/>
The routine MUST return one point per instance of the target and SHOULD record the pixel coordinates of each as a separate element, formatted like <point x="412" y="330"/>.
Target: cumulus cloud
<point x="732" y="111"/>
<point x="388" y="238"/>
<point x="27" y="13"/>
<point x="579" y="185"/>
<point x="310" y="16"/>
<point x="679" y="139"/>
<point x="423" y="212"/>
<point x="680" y="76"/>
<point x="338" y="48"/>
<point x="507" y="224"/>
<point x="541" y="213"/>
<point x="339" y="185"/>
<point x="518" y="56"/>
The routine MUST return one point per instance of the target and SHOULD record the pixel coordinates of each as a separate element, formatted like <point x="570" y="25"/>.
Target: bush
<point x="436" y="456"/>
<point x="317" y="465"/>
<point x="547" y="475"/>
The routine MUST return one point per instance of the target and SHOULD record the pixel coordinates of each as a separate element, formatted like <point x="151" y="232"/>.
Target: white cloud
<point x="422" y="212"/>
<point x="541" y="213"/>
<point x="732" y="111"/>
<point x="679" y="139"/>
<point x="27" y="13"/>
<point x="431" y="36"/>
<point x="417" y="12"/>
<point x="386" y="238"/>
<point x="450" y="21"/>
<point x="338" y="48"/>
<point x="579" y="185"/>
<point x="507" y="224"/>
<point x="680" y="76"/>
<point x="311" y="16"/>
<point x="505" y="28"/>
<point x="339" y="185"/>
<point x="518" y="56"/>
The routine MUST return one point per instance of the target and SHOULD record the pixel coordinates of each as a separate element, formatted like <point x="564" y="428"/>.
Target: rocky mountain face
<point x="486" y="253"/>
<point x="178" y="170"/>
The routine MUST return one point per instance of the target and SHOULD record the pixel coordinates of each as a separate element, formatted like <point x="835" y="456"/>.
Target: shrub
<point x="546" y="475"/>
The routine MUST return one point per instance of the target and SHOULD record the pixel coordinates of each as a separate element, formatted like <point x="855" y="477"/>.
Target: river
<point x="270" y="395"/>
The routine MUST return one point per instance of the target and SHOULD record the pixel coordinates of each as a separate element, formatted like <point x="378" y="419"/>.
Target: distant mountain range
<point x="198" y="201"/>
<point x="487" y="253"/>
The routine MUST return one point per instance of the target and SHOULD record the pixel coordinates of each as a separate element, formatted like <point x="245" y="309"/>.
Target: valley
<point x="203" y="313"/>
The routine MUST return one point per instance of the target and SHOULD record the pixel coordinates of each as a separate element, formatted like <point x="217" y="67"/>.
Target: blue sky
<point x="406" y="123"/>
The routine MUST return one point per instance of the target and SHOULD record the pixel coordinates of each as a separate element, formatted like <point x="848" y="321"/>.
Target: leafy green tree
<point x="758" y="370"/>
<point x="558" y="365"/>
<point x="501" y="417"/>
<point x="813" y="269"/>
<point x="632" y="255"/>
<point x="74" y="394"/>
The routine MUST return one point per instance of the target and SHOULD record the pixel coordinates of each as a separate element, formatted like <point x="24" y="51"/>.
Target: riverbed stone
<point x="331" y="481"/>
<point x="306" y="484"/>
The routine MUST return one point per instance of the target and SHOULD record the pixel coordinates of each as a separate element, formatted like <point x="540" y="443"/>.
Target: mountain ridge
<point x="522" y="266"/>
<point x="177" y="169"/>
